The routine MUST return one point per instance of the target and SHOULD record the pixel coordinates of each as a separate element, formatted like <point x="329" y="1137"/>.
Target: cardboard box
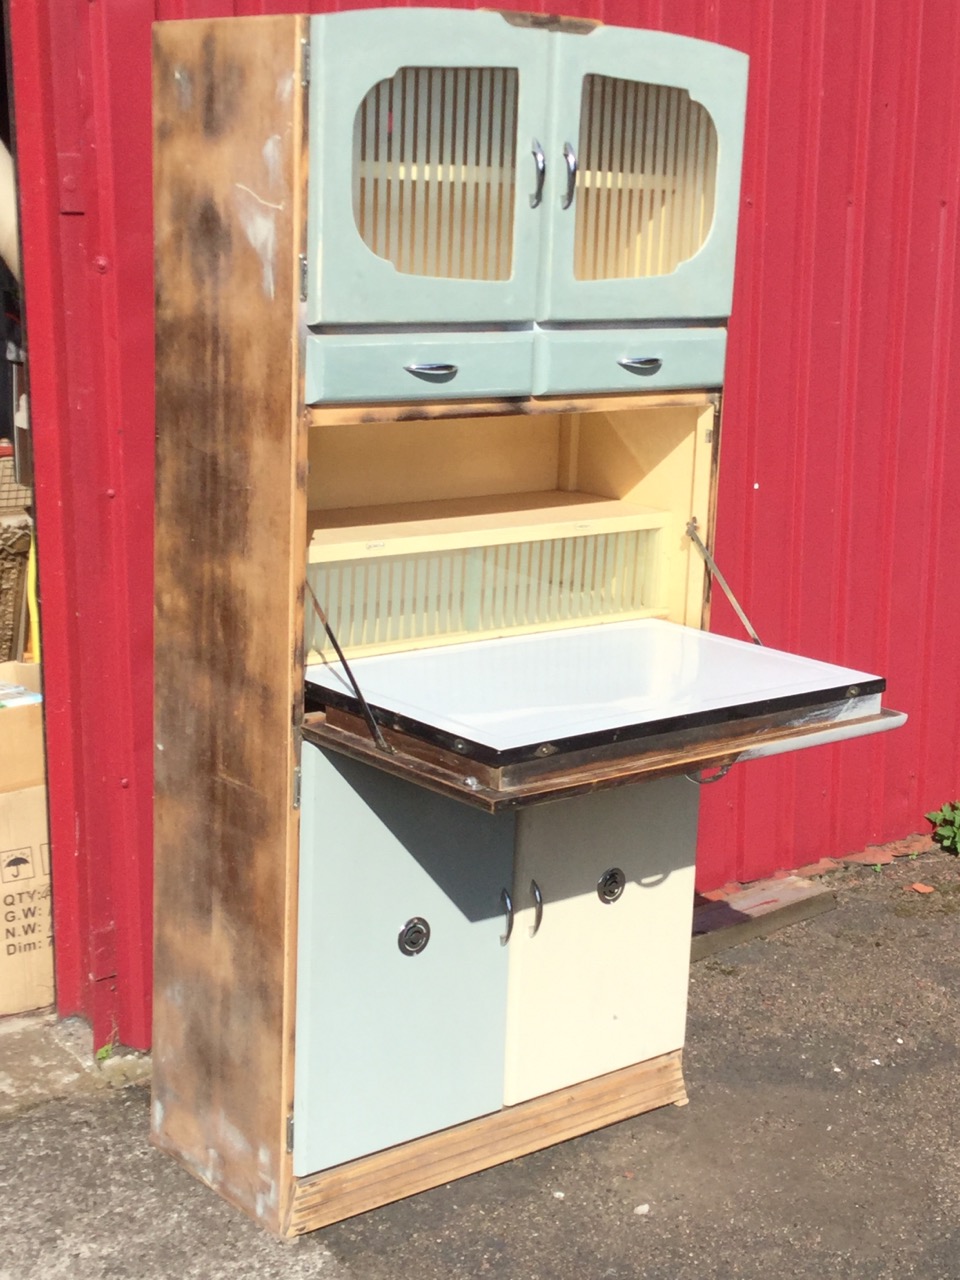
<point x="15" y="538"/>
<point x="26" y="931"/>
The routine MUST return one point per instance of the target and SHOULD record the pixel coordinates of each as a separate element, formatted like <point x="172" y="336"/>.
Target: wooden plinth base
<point x="402" y="1171"/>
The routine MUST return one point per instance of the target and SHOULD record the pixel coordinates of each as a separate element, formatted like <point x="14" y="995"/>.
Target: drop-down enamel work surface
<point x="618" y="701"/>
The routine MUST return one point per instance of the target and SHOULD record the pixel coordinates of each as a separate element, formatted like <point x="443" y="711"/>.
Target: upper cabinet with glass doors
<point x="469" y="170"/>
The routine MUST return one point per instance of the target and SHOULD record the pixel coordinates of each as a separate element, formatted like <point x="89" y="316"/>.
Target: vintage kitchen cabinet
<point x="477" y="171"/>
<point x="440" y="335"/>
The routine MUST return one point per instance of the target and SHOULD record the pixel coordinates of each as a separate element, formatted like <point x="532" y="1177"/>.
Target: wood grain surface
<point x="231" y="524"/>
<point x="426" y="410"/>
<point x="565" y="774"/>
<point x="516" y="1131"/>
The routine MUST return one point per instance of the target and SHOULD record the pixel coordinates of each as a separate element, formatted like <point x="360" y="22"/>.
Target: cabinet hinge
<point x="305" y="63"/>
<point x="303" y="277"/>
<point x="290" y="1134"/>
<point x="297" y="786"/>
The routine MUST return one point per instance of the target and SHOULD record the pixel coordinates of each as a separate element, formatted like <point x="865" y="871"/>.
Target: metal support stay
<point x="372" y="725"/>
<point x="711" y="564"/>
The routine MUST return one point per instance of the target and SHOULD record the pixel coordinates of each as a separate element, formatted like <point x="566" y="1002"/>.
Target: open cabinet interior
<point x="436" y="531"/>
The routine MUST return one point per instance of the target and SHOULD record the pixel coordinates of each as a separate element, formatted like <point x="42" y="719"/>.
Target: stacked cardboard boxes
<point x="26" y="953"/>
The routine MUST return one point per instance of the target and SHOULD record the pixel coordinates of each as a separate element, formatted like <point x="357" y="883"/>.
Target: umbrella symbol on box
<point x="16" y="864"/>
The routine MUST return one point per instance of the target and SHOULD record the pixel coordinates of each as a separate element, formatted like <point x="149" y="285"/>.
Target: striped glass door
<point x="424" y="200"/>
<point x="645" y="146"/>
<point x="647" y="178"/>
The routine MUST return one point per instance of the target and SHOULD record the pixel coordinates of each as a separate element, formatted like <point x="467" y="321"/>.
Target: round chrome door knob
<point x="611" y="884"/>
<point x="414" y="936"/>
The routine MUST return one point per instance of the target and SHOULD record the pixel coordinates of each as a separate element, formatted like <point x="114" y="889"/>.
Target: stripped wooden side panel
<point x="231" y="521"/>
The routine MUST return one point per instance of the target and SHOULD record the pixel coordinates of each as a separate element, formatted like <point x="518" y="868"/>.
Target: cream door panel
<point x="599" y="985"/>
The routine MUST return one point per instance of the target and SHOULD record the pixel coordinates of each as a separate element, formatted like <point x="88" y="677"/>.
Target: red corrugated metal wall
<point x="834" y="526"/>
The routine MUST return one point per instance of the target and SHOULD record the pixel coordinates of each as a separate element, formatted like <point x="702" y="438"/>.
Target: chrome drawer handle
<point x="541" y="162"/>
<point x="433" y="372"/>
<point x="645" y="366"/>
<point x="537" y="908"/>
<point x="508" y="908"/>
<point x="570" y="156"/>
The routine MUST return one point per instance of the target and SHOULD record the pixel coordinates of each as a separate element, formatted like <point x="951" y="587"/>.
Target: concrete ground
<point x="822" y="1139"/>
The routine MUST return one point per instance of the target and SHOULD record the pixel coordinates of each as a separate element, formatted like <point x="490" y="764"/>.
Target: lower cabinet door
<point x="401" y="984"/>
<point x="600" y="951"/>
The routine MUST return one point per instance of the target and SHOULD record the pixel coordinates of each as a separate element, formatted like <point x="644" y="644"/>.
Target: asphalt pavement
<point x="822" y="1139"/>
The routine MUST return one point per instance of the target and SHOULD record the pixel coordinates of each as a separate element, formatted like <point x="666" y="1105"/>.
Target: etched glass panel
<point x="434" y="171"/>
<point x="647" y="179"/>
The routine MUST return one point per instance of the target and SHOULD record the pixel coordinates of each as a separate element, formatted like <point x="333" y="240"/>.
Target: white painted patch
<point x="267" y="1200"/>
<point x="184" y="83"/>
<point x="157" y="1113"/>
<point x="273" y="159"/>
<point x="285" y="87"/>
<point x="233" y="1139"/>
<point x="258" y="217"/>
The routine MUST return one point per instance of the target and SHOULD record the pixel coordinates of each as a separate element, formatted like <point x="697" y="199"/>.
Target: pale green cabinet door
<point x="644" y="157"/>
<point x="423" y="195"/>
<point x="398" y="1033"/>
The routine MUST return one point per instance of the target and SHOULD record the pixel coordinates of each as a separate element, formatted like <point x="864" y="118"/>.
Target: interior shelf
<point x="358" y="533"/>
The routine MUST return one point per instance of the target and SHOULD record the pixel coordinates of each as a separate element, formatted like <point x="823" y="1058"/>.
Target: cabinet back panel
<point x="645" y="457"/>
<point x="657" y="458"/>
<point x="365" y="464"/>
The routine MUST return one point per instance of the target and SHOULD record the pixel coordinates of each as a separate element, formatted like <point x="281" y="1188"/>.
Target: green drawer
<point x="410" y="366"/>
<point x="571" y="360"/>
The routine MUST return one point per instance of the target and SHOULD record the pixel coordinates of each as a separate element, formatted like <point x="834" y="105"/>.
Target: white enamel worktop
<point x="518" y="690"/>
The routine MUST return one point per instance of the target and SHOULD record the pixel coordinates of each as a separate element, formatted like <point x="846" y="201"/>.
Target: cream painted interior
<point x="437" y="531"/>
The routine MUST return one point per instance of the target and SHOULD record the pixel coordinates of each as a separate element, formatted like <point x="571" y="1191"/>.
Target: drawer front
<point x="571" y="360"/>
<point x="409" y="366"/>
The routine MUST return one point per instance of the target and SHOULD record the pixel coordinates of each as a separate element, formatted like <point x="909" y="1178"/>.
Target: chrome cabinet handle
<point x="541" y="162"/>
<point x="436" y="372"/>
<point x="644" y="365"/>
<point x="570" y="157"/>
<point x="508" y="908"/>
<point x="537" y="907"/>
